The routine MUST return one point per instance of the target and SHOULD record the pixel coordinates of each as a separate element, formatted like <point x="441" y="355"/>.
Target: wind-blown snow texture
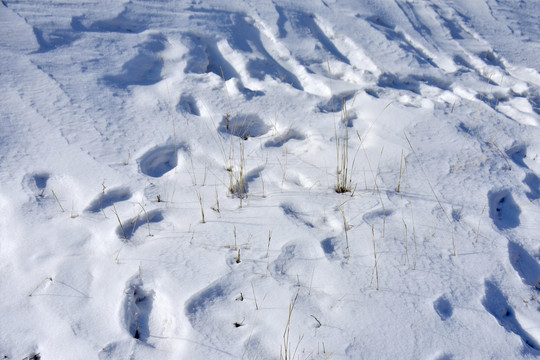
<point x="121" y="120"/>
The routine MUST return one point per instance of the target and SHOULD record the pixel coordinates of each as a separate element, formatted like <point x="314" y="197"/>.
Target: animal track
<point x="373" y="216"/>
<point x="310" y="34"/>
<point x="259" y="67"/>
<point x="280" y="140"/>
<point x="138" y="305"/>
<point x="328" y="246"/>
<point x="295" y="215"/>
<point x="497" y="305"/>
<point x="535" y="103"/>
<point x="36" y="182"/>
<point x="388" y="80"/>
<point x="145" y="312"/>
<point x="244" y="126"/>
<point x="40" y="191"/>
<point x="503" y="210"/>
<point x="241" y="186"/>
<point x="144" y="68"/>
<point x="411" y="82"/>
<point x="50" y="40"/>
<point x="443" y="307"/>
<point x="408" y="50"/>
<point x="491" y="58"/>
<point x="215" y="305"/>
<point x="284" y="260"/>
<point x="146" y="315"/>
<point x="335" y="247"/>
<point x="205" y="57"/>
<point x="40" y="180"/>
<point x="533" y="182"/>
<point x="202" y="300"/>
<point x="108" y="198"/>
<point x="457" y="215"/>
<point x="468" y="130"/>
<point x="525" y="264"/>
<point x="517" y="154"/>
<point x="253" y="175"/>
<point x="336" y="103"/>
<point x="242" y="36"/>
<point x="34" y="356"/>
<point x="456" y="31"/>
<point x="124" y="22"/>
<point x="159" y="160"/>
<point x="188" y="105"/>
<point x="129" y="227"/>
<point x="295" y="253"/>
<point x="444" y="356"/>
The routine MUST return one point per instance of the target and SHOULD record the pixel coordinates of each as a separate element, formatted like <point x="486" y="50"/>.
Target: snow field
<point x="169" y="173"/>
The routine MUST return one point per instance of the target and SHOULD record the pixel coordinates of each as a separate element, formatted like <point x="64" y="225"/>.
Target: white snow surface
<point x="123" y="122"/>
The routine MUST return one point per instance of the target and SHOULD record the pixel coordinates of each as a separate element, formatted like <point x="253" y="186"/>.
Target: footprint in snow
<point x="336" y="102"/>
<point x="443" y="307"/>
<point x="159" y="160"/>
<point x="37" y="183"/>
<point x="108" y="198"/>
<point x="124" y="22"/>
<point x="137" y="307"/>
<point x="497" y="305"/>
<point x="197" y="305"/>
<point x="518" y="154"/>
<point x="130" y="226"/>
<point x="243" y="126"/>
<point x="533" y="182"/>
<point x="216" y="311"/>
<point x="503" y="210"/>
<point x="188" y="105"/>
<point x="525" y="264"/>
<point x="295" y="215"/>
<point x="145" y="313"/>
<point x="281" y="139"/>
<point x="328" y="247"/>
<point x="144" y="68"/>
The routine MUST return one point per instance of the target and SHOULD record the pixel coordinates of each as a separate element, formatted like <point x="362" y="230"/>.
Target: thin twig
<point x="58" y="201"/>
<point x="147" y="219"/>
<point x="317" y="320"/>
<point x="123" y="232"/>
<point x="254" y="297"/>
<point x="41" y="283"/>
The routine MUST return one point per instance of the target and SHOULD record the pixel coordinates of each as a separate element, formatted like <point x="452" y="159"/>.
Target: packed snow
<point x="325" y="179"/>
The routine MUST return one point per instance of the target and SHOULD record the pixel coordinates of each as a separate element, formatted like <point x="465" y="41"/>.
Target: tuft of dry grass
<point x="237" y="174"/>
<point x="285" y="351"/>
<point x="202" y="207"/>
<point x="343" y="176"/>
